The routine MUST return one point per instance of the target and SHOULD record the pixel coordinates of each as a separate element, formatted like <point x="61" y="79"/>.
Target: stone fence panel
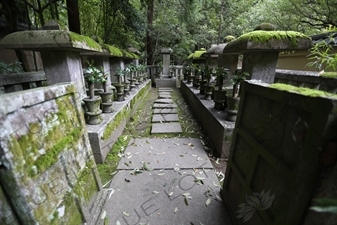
<point x="278" y="154"/>
<point x="47" y="169"/>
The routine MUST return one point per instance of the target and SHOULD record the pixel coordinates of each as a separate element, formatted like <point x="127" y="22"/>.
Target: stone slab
<point x="165" y="93"/>
<point x="165" y="118"/>
<point x="165" y="90"/>
<point x="164" y="101"/>
<point x="168" y="153"/>
<point x="164" y="128"/>
<point x="164" y="106"/>
<point x="157" y="197"/>
<point x="166" y="82"/>
<point x="165" y="96"/>
<point x="165" y="111"/>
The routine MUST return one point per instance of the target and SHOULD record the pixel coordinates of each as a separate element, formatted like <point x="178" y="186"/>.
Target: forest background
<point x="183" y="25"/>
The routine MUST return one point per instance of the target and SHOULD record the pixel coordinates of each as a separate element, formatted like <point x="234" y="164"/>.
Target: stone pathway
<point x="165" y="181"/>
<point x="165" y="118"/>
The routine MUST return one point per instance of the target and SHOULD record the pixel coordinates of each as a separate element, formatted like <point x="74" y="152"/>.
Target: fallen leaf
<point x="175" y="210"/>
<point x="118" y="223"/>
<point x="126" y="213"/>
<point x="170" y="194"/>
<point x="103" y="215"/>
<point x="186" y="202"/>
<point x="155" y="192"/>
<point x="208" y="201"/>
<point x="186" y="194"/>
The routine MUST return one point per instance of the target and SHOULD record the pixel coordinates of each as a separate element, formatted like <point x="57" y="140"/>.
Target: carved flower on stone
<point x="257" y="201"/>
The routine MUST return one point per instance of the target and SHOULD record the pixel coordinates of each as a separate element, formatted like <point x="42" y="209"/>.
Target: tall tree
<point x="73" y="16"/>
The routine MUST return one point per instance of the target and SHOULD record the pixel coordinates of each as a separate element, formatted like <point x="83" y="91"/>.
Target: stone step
<point x="164" y="111"/>
<point x="164" y="101"/>
<point x="165" y="118"/>
<point x="163" y="106"/>
<point x="164" y="96"/>
<point x="165" y="93"/>
<point x="166" y="128"/>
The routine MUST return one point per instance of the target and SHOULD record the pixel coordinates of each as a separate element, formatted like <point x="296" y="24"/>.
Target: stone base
<point x="104" y="135"/>
<point x="212" y="120"/>
<point x="166" y="82"/>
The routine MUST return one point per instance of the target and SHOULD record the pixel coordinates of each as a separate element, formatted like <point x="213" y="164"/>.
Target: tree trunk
<point x="73" y="16"/>
<point x="149" y="42"/>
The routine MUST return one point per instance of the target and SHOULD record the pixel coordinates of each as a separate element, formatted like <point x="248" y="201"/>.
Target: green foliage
<point x="94" y="74"/>
<point x="8" y="68"/>
<point x="302" y="90"/>
<point x="321" y="56"/>
<point x="326" y="205"/>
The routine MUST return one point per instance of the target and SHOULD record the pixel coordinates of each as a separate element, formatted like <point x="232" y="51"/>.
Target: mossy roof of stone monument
<point x="197" y="54"/>
<point x="303" y="90"/>
<point x="49" y="40"/>
<point x="261" y="40"/>
<point x="329" y="75"/>
<point x="114" y="51"/>
<point x="215" y="50"/>
<point x="129" y="55"/>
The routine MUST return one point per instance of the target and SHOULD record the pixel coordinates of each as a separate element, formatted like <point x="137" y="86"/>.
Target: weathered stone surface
<point x="166" y="197"/>
<point x="165" y="111"/>
<point x="165" y="89"/>
<point x="163" y="106"/>
<point x="7" y="214"/>
<point x="164" y="101"/>
<point x="46" y="156"/>
<point x="165" y="96"/>
<point x="163" y="128"/>
<point x="166" y="82"/>
<point x="165" y="93"/>
<point x="165" y="118"/>
<point x="168" y="153"/>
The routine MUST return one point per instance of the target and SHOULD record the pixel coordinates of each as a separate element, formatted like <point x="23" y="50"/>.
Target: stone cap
<point x="268" y="41"/>
<point x="215" y="50"/>
<point x="49" y="40"/>
<point x="166" y="51"/>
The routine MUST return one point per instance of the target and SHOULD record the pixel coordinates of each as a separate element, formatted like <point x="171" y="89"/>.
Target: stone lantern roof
<point x="268" y="41"/>
<point x="197" y="54"/>
<point x="49" y="40"/>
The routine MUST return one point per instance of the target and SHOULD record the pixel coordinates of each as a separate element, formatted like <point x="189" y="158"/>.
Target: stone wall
<point x="47" y="171"/>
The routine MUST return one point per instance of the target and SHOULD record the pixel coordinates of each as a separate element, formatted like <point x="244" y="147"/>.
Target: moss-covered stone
<point x="229" y="38"/>
<point x="269" y="40"/>
<point x="302" y="90"/>
<point x="329" y="75"/>
<point x="114" y="51"/>
<point x="74" y="37"/>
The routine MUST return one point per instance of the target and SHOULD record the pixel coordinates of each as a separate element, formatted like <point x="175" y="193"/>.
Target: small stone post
<point x="166" y="61"/>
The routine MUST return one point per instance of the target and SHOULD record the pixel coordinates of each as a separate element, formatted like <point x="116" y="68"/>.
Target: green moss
<point x="262" y="36"/>
<point x="51" y="156"/>
<point x="120" y="116"/>
<point x="229" y="38"/>
<point x="74" y="37"/>
<point x="113" y="50"/>
<point x="302" y="90"/>
<point x="86" y="185"/>
<point x="197" y="54"/>
<point x="329" y="74"/>
<point x="129" y="55"/>
<point x="112" y="159"/>
<point x="72" y="213"/>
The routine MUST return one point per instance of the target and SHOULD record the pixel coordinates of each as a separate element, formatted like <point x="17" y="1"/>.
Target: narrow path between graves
<point x="166" y="172"/>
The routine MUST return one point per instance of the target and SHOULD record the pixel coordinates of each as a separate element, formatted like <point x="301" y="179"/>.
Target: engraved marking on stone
<point x="188" y="177"/>
<point x="125" y="220"/>
<point x="149" y="209"/>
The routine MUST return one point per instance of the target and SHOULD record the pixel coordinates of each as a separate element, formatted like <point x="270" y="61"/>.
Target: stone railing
<point x="21" y="81"/>
<point x="306" y="79"/>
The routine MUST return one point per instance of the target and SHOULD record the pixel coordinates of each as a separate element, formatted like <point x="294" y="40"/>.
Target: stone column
<point x="166" y="61"/>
